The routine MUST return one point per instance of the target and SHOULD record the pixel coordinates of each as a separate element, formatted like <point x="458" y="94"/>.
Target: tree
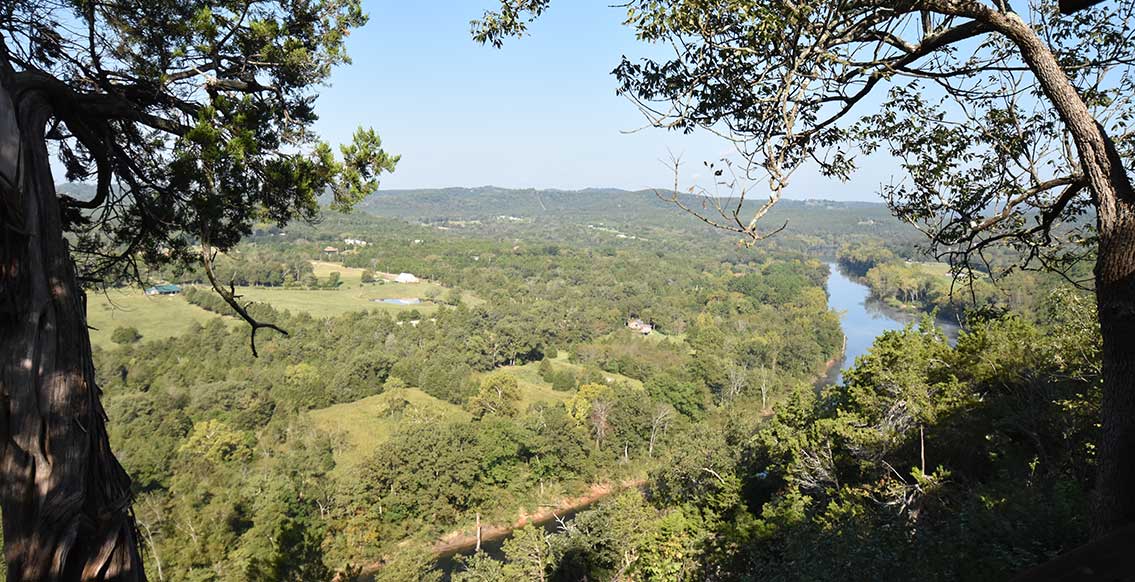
<point x="527" y="554"/>
<point x="409" y="564"/>
<point x="599" y="417"/>
<point x="479" y="568"/>
<point x="452" y="297"/>
<point x="659" y="422"/>
<point x="686" y="397"/>
<point x="545" y="370"/>
<point x="738" y="379"/>
<point x="363" y="376"/>
<point x="1012" y="129"/>
<point x="193" y="119"/>
<point x="125" y="335"/>
<point x="499" y="394"/>
<point x="579" y="405"/>
<point x="563" y="381"/>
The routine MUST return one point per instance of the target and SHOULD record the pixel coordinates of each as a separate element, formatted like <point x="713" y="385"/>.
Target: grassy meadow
<point x="359" y="427"/>
<point x="160" y="317"/>
<point x="155" y="317"/>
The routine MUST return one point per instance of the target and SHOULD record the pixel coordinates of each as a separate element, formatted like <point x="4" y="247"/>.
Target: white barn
<point x="407" y="278"/>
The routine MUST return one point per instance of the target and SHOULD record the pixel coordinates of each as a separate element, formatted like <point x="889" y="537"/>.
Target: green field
<point x="331" y="303"/>
<point x="533" y="388"/>
<point x="386" y="289"/>
<point x="933" y="268"/>
<point x="155" y="317"/>
<point x="360" y="427"/>
<point x="160" y="317"/>
<point x="351" y="276"/>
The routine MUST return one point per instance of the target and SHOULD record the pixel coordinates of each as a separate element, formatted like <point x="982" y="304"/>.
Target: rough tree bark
<point x="1115" y="302"/>
<point x="65" y="498"/>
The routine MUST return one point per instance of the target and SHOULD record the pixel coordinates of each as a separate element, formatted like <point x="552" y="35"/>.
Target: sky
<point x="539" y="113"/>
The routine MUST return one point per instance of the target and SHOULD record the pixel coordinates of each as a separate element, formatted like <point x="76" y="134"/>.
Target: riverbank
<point x="833" y="367"/>
<point x="464" y="540"/>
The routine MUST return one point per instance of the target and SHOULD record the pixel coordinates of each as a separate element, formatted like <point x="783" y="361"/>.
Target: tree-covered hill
<point x="813" y="225"/>
<point x="593" y="215"/>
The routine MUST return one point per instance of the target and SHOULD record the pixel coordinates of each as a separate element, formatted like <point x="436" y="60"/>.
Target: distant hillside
<point x="595" y="214"/>
<point x="77" y="190"/>
<point x="488" y="202"/>
<point x="627" y="211"/>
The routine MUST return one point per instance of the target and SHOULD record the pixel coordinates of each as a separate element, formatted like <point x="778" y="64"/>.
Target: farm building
<point x="640" y="326"/>
<point x="164" y="290"/>
<point x="407" y="278"/>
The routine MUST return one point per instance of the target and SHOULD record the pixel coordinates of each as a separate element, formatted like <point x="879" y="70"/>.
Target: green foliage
<point x="563" y="381"/>
<point x="498" y="395"/>
<point x="365" y="375"/>
<point x="545" y="370"/>
<point x="246" y="266"/>
<point x="215" y="443"/>
<point x="219" y="138"/>
<point x="480" y="568"/>
<point x="125" y="335"/>
<point x="858" y="258"/>
<point x="147" y="429"/>
<point x="686" y="397"/>
<point x="207" y="299"/>
<point x="527" y="554"/>
<point x="411" y="564"/>
<point x="932" y="438"/>
<point x="221" y="442"/>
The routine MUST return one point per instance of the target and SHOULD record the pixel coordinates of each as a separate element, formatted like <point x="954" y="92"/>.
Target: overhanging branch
<point x="230" y="297"/>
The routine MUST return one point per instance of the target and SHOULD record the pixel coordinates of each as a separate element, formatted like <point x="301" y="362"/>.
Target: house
<point x="164" y="290"/>
<point x="331" y="250"/>
<point x="640" y="326"/>
<point x="355" y="242"/>
<point x="407" y="278"/>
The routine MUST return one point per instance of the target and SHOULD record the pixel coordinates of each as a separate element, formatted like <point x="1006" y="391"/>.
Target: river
<point x="863" y="318"/>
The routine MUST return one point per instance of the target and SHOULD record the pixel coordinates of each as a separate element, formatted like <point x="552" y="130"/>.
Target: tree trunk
<point x="65" y="498"/>
<point x="1114" y="199"/>
<point x="1115" y="301"/>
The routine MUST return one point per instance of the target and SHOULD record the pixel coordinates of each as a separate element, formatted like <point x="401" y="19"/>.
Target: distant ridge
<point x="464" y="203"/>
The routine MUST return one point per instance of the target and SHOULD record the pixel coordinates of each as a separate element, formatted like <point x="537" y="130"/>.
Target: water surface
<point x="409" y="301"/>
<point x="863" y="318"/>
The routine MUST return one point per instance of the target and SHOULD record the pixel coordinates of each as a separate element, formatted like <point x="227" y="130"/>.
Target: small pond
<point x="408" y="301"/>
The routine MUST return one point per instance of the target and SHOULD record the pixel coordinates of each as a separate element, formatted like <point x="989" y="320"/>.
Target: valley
<point x="514" y="386"/>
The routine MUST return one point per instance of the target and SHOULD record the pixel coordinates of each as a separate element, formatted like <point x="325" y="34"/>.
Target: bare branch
<point x="229" y="295"/>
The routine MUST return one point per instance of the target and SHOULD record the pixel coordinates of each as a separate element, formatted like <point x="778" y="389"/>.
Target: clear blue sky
<point x="541" y="112"/>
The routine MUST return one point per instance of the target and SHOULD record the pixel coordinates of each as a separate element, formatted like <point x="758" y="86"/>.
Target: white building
<point x="407" y="278"/>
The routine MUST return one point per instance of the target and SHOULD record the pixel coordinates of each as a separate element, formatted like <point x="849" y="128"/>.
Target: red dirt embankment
<point x="467" y="538"/>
